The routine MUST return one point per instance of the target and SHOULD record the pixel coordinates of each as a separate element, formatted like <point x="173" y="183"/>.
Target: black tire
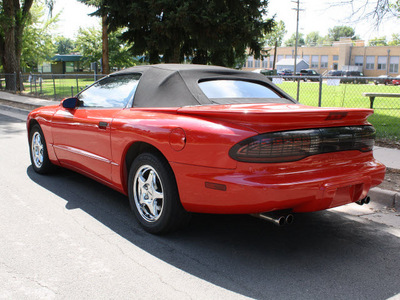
<point x="38" y="151"/>
<point x="153" y="195"/>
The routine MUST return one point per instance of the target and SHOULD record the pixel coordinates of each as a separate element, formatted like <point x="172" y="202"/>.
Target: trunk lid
<point x="267" y="117"/>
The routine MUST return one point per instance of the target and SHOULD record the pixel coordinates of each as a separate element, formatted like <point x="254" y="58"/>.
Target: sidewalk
<point x="24" y="102"/>
<point x="389" y="157"/>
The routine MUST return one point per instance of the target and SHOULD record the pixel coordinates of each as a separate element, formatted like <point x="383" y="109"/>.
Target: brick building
<point x="371" y="60"/>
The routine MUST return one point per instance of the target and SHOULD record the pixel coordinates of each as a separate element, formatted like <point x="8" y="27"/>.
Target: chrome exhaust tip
<point x="363" y="201"/>
<point x="289" y="219"/>
<point x="277" y="219"/>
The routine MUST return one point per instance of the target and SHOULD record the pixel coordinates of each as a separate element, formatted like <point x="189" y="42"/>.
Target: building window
<point x="314" y="61"/>
<point x="358" y="60"/>
<point x="324" y="61"/>
<point x="250" y="62"/>
<point x="257" y="63"/>
<point x="394" y="64"/>
<point x="306" y="58"/>
<point x="271" y="61"/>
<point x="280" y="57"/>
<point x="382" y="60"/>
<point x="265" y="63"/>
<point x="69" y="67"/>
<point x="370" y="63"/>
<point x="335" y="57"/>
<point x="288" y="56"/>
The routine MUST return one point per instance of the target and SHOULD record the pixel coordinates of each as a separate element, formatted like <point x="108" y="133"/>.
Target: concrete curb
<point x="24" y="102"/>
<point x="24" y="106"/>
<point x="387" y="198"/>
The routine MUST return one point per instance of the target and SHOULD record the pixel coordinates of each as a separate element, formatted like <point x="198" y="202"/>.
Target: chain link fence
<point x="382" y="94"/>
<point x="49" y="86"/>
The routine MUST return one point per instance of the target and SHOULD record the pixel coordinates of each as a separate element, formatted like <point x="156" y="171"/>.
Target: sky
<point x="73" y="14"/>
<point x="318" y="15"/>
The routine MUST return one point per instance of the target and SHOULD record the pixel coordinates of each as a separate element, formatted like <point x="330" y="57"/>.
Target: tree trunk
<point x="176" y="55"/>
<point x="13" y="23"/>
<point x="105" y="55"/>
<point x="275" y="55"/>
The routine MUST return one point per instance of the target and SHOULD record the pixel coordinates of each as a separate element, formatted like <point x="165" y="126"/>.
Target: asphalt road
<point x="66" y="236"/>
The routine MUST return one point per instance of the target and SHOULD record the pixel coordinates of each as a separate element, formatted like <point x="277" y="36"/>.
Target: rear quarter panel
<point x="207" y="140"/>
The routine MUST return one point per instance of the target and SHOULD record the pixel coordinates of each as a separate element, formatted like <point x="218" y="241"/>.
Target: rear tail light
<point x="294" y="145"/>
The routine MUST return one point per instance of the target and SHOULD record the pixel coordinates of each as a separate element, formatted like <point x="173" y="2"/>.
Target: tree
<point x="313" y="38"/>
<point x="104" y="37"/>
<point x="210" y="31"/>
<point x="337" y="32"/>
<point x="291" y="42"/>
<point x="368" y="10"/>
<point x="64" y="45"/>
<point x="395" y="40"/>
<point x="88" y="43"/>
<point x="37" y="42"/>
<point x="378" y="41"/>
<point x="275" y="37"/>
<point x="13" y="19"/>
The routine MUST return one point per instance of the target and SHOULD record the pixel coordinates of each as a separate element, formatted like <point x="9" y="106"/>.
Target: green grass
<point x="63" y="87"/>
<point x="386" y="117"/>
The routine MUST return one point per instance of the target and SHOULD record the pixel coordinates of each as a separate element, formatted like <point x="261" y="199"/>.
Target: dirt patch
<point x="387" y="143"/>
<point x="392" y="180"/>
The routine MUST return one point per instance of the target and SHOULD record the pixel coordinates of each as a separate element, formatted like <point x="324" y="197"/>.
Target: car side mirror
<point x="70" y="103"/>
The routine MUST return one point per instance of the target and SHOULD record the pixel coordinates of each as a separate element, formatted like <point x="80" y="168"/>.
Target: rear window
<point x="236" y="89"/>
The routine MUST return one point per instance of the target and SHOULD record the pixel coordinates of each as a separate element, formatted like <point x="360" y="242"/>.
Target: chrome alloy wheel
<point x="37" y="150"/>
<point x="148" y="193"/>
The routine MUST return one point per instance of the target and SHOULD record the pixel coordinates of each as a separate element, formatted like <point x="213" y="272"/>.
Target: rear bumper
<point x="312" y="184"/>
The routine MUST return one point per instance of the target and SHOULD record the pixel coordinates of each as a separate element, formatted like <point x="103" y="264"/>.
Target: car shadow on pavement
<point x="321" y="254"/>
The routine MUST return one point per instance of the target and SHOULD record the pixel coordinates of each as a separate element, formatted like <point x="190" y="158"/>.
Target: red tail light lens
<point x="294" y="145"/>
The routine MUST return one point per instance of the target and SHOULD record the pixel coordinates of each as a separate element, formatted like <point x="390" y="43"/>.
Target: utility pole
<point x="297" y="33"/>
<point x="295" y="47"/>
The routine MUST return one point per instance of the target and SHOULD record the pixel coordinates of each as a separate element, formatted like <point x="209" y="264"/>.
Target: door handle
<point x="103" y="125"/>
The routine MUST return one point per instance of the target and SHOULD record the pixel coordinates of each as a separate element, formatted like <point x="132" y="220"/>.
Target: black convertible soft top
<point x="176" y="85"/>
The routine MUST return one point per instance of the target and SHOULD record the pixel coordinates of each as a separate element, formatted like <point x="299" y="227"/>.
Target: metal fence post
<point x="298" y="89"/>
<point x="15" y="82"/>
<point x="320" y="92"/>
<point x="54" y="86"/>
<point x="77" y="84"/>
<point x="34" y="80"/>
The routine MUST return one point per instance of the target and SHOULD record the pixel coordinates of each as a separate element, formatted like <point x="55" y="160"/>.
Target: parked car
<point x="353" y="77"/>
<point x="309" y="74"/>
<point x="383" y="79"/>
<point x="335" y="73"/>
<point x="269" y="73"/>
<point x="189" y="138"/>
<point x="396" y="80"/>
<point x="285" y="72"/>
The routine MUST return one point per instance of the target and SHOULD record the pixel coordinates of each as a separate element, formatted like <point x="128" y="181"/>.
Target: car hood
<point x="276" y="117"/>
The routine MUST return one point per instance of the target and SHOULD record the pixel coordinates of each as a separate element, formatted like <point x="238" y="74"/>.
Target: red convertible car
<point x="188" y="138"/>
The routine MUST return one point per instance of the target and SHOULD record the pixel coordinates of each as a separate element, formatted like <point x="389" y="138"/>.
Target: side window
<point x="110" y="92"/>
